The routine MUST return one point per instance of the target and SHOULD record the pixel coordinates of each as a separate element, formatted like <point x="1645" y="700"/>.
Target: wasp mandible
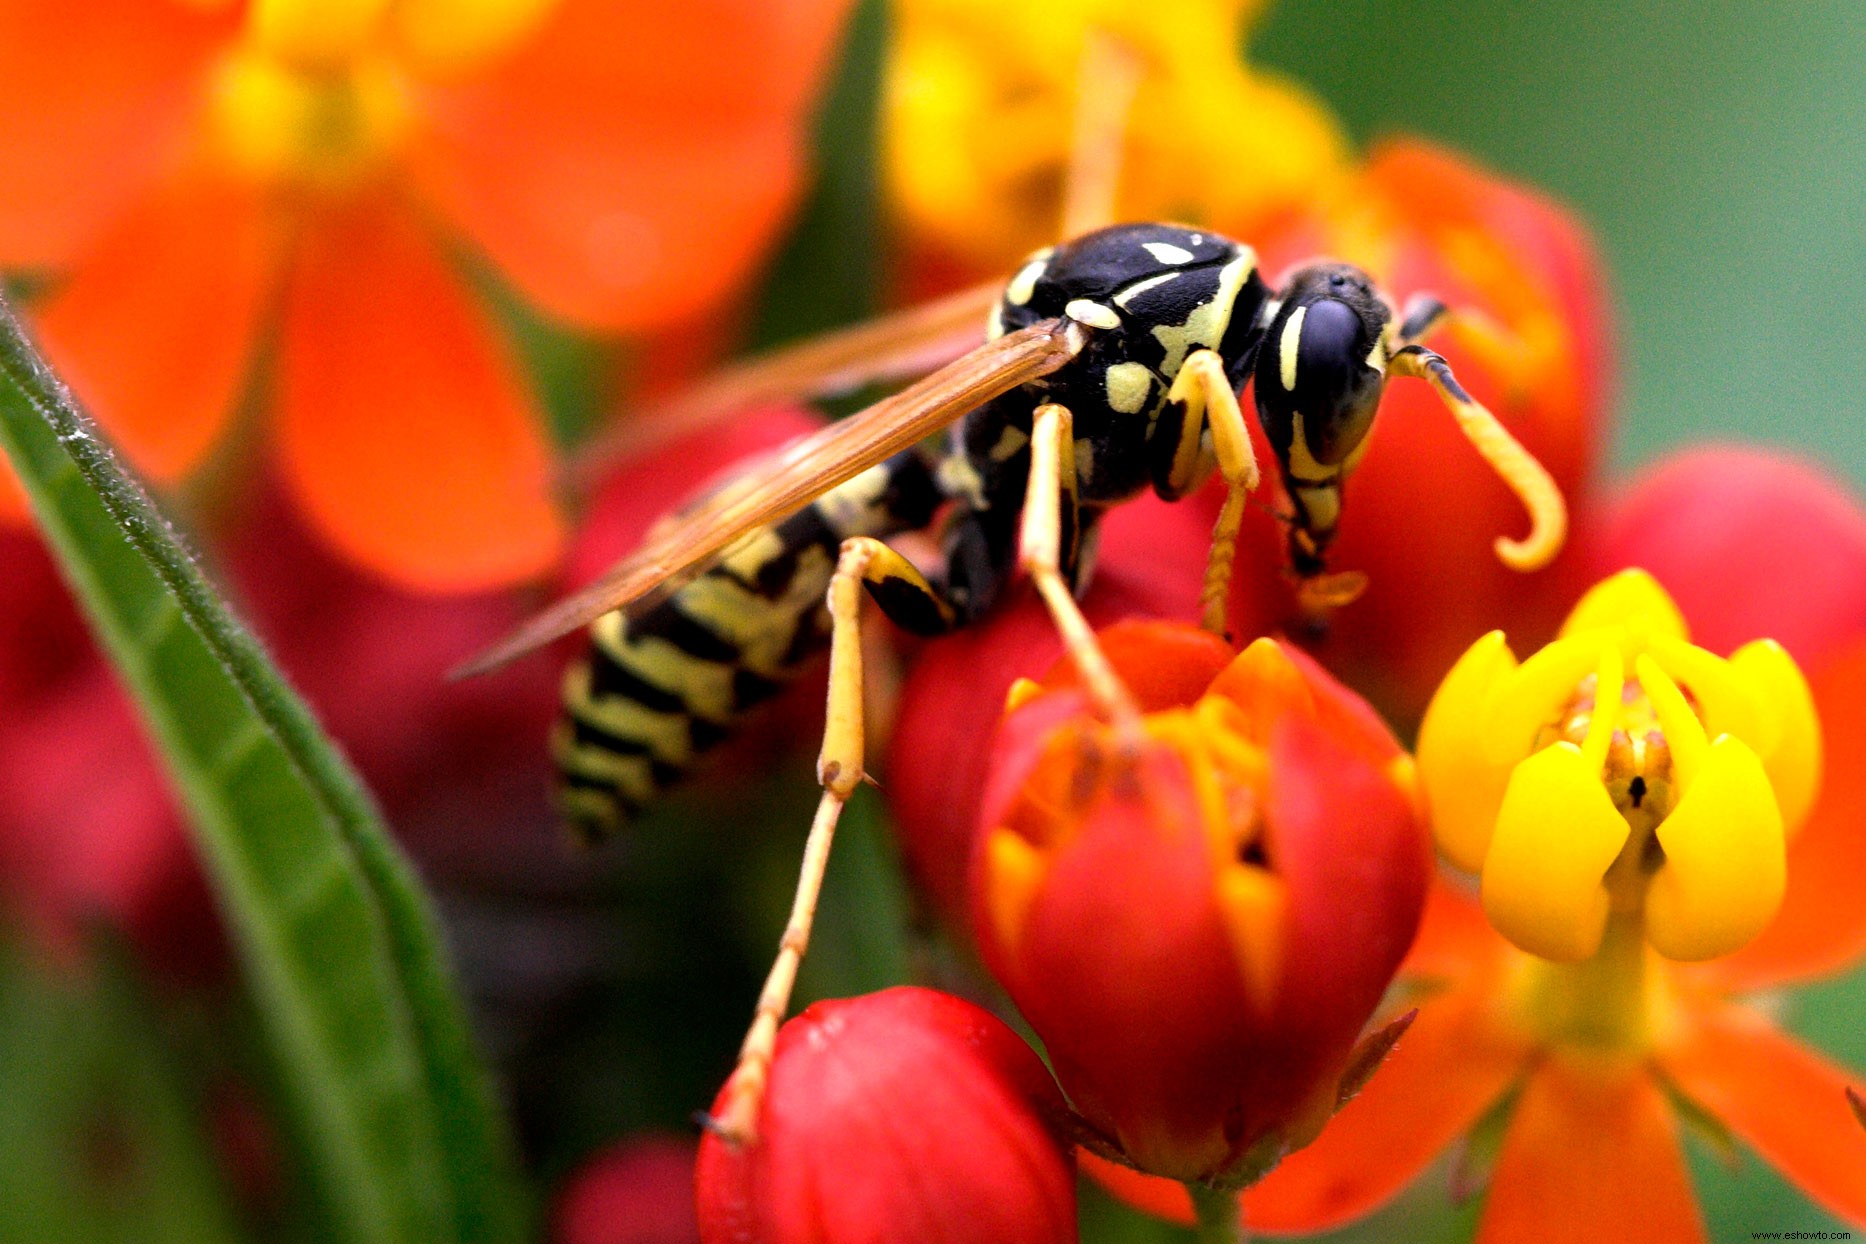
<point x="1112" y="364"/>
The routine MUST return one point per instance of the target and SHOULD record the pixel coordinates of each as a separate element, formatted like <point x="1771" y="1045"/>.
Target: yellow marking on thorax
<point x="1128" y="387"/>
<point x="1024" y="284"/>
<point x="1011" y="440"/>
<point x="1094" y="314"/>
<point x="1205" y="327"/>
<point x="849" y="509"/>
<point x="1166" y="252"/>
<point x="1126" y="297"/>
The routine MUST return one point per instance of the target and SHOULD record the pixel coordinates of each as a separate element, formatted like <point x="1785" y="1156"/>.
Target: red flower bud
<point x="905" y="1116"/>
<point x="1200" y="922"/>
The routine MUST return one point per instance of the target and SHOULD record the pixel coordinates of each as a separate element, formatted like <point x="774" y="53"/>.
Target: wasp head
<point x="1319" y="375"/>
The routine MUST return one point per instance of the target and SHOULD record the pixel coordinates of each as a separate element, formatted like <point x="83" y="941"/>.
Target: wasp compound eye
<point x="1319" y="380"/>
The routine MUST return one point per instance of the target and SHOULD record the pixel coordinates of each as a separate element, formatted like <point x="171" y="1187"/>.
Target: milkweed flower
<point x="908" y="1116"/>
<point x="232" y="193"/>
<point x="1587" y="1070"/>
<point x="1199" y="922"/>
<point x="1622" y="775"/>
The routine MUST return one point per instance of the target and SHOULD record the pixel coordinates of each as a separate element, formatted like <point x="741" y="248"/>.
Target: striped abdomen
<point x="656" y="690"/>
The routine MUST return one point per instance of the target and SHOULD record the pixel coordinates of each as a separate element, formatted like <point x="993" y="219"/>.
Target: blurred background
<point x="1714" y="151"/>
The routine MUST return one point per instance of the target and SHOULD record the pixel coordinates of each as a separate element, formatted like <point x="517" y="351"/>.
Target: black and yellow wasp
<point x="1112" y="364"/>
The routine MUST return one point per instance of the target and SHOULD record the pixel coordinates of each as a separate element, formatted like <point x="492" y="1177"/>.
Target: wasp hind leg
<point x="906" y="596"/>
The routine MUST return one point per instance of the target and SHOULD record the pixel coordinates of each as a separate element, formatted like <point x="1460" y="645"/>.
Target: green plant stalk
<point x="337" y="938"/>
<point x="1218" y="1214"/>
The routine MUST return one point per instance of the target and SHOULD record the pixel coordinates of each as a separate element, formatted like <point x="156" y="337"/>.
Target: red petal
<point x="902" y="1115"/>
<point x="155" y="327"/>
<point x="1751" y="543"/>
<point x="95" y="97"/>
<point x="1821" y="928"/>
<point x="628" y="167"/>
<point x="1782" y="1098"/>
<point x="405" y="428"/>
<point x="1590" y="1150"/>
<point x="1165" y="664"/>
<point x="1452" y="1065"/>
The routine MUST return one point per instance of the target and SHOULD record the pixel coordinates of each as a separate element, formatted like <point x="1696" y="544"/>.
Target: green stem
<point x="1601" y="1001"/>
<point x="1220" y="1216"/>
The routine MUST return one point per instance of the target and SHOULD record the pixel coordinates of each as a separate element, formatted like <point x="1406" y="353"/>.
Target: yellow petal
<point x="1725" y="860"/>
<point x="1254" y="907"/>
<point x="315" y="33"/>
<point x="1013" y="871"/>
<point x="1794" y="763"/>
<point x="1463" y="786"/>
<point x="1557" y="834"/>
<point x="1537" y="695"/>
<point x="1632" y="599"/>
<point x="1609" y="683"/>
<point x="1684" y="733"/>
<point x="453" y="36"/>
<point x="1725" y="703"/>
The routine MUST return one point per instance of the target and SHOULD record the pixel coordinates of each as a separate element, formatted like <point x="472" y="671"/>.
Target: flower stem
<point x="1220" y="1217"/>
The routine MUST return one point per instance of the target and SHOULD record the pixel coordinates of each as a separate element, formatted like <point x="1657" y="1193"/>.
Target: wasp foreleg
<point x="1051" y="523"/>
<point x="1202" y="398"/>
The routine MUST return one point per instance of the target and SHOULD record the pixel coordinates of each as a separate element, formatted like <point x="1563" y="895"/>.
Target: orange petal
<point x="1822" y="925"/>
<point x="1788" y="1103"/>
<point x="630" y="165"/>
<point x="1589" y="1152"/>
<point x="96" y="96"/>
<point x="155" y="327"/>
<point x="1445" y="1072"/>
<point x="1455" y="941"/>
<point x="1150" y="1194"/>
<point x="404" y="426"/>
<point x="13" y="507"/>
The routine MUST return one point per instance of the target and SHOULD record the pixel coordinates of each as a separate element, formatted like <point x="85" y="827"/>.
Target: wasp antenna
<point x="1514" y="465"/>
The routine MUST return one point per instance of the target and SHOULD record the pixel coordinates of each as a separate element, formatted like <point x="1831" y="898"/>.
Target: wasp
<point x="1112" y="363"/>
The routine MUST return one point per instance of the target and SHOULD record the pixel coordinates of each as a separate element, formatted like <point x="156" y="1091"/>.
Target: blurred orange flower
<point x="215" y="182"/>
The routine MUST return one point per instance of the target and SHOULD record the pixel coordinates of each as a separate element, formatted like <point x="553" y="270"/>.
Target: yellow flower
<point x="983" y="99"/>
<point x="1622" y="773"/>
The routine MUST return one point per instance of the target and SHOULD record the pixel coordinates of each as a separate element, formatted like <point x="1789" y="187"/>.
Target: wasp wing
<point x="797" y="474"/>
<point x="890" y="348"/>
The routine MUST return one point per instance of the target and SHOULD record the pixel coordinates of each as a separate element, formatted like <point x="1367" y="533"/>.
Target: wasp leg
<point x="1516" y="466"/>
<point x="1421" y="315"/>
<point x="864" y="561"/>
<point x="1203" y="393"/>
<point x="1051" y="522"/>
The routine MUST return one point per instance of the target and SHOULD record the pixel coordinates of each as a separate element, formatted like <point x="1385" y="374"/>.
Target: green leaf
<point x="393" y="1111"/>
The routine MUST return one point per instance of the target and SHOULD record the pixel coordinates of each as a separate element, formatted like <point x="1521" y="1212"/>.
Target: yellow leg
<point x="1527" y="478"/>
<point x="1052" y="486"/>
<point x="839" y="769"/>
<point x="1203" y="388"/>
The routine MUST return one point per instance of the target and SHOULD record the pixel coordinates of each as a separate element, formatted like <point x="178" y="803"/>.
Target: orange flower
<point x="1586" y="1069"/>
<point x="208" y="181"/>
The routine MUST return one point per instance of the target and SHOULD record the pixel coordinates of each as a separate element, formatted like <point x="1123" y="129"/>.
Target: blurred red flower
<point x="213" y="182"/>
<point x="637" y="1191"/>
<point x="905" y="1116"/>
<point x="1199" y="922"/>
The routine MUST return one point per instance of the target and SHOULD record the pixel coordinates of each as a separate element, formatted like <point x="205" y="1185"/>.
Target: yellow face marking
<point x="1377" y="357"/>
<point x="1205" y="327"/>
<point x="1128" y="387"/>
<point x="1024" y="284"/>
<point x="1302" y="463"/>
<point x="1094" y="314"/>
<point x="1286" y="351"/>
<point x="1166" y="252"/>
<point x="1322" y="505"/>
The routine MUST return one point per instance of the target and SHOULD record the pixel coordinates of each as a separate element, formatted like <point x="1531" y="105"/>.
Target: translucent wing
<point x="891" y="348"/>
<point x="796" y="475"/>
